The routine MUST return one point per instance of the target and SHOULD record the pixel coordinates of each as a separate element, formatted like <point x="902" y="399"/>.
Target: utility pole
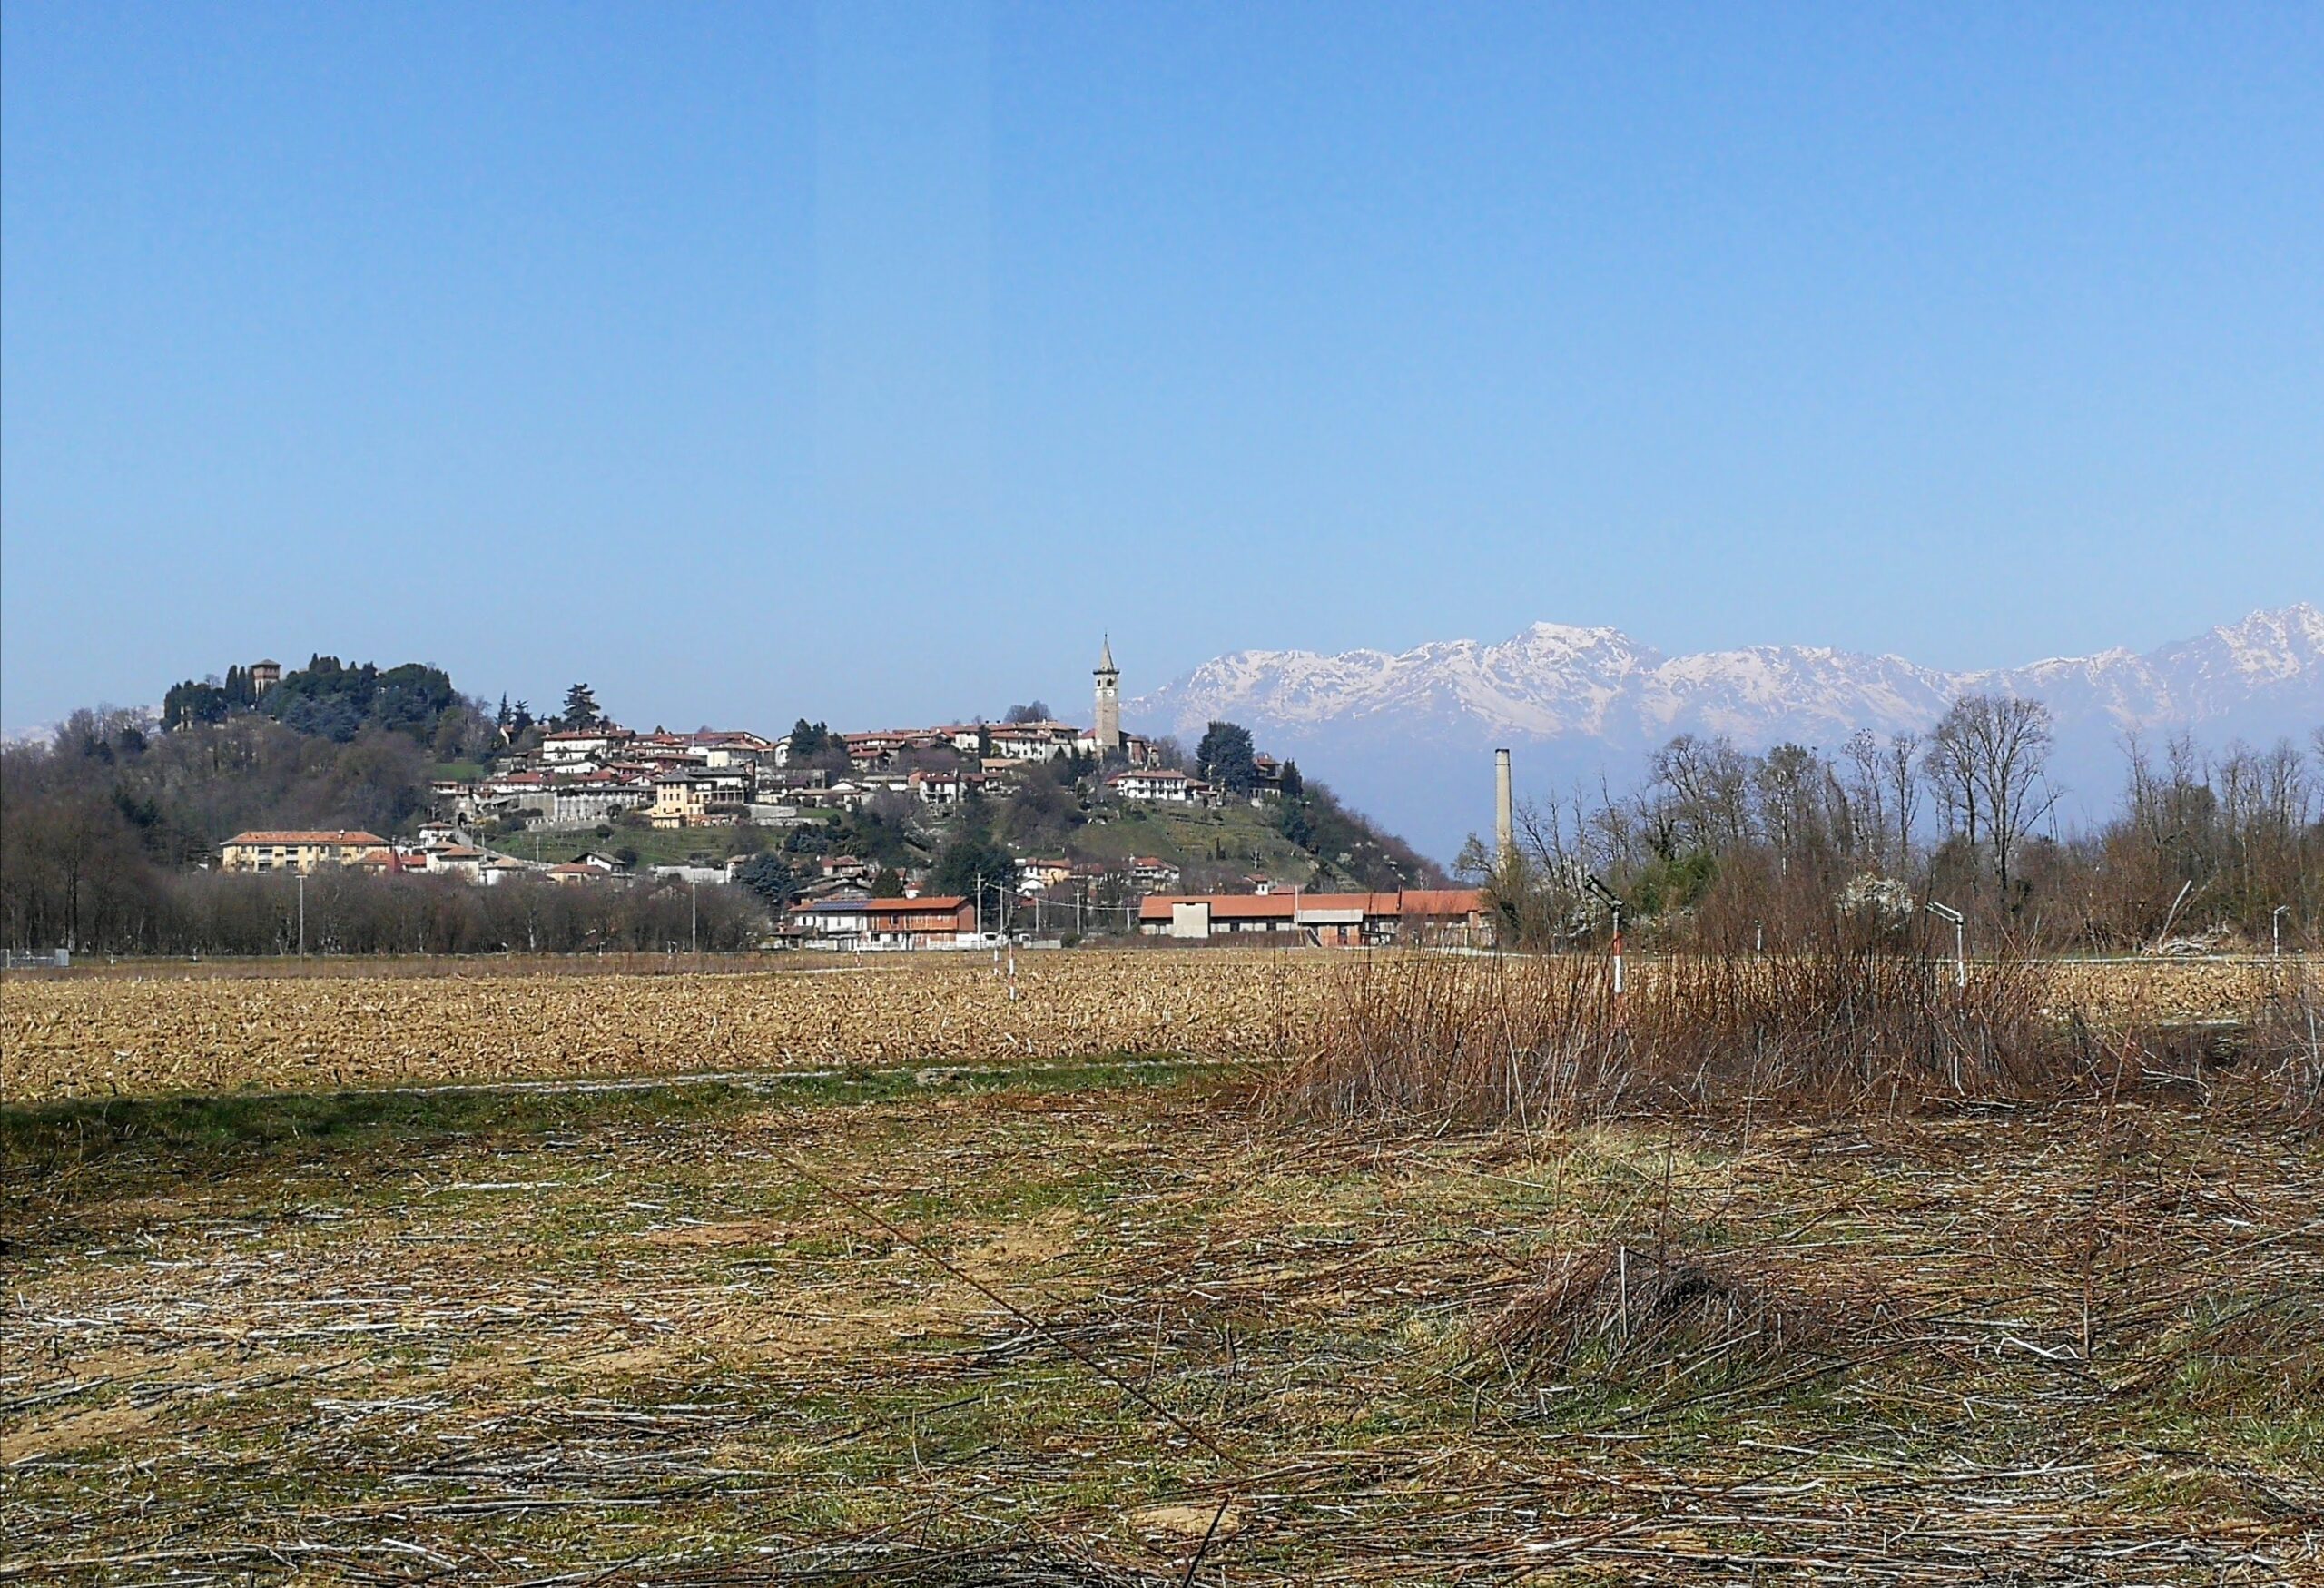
<point x="302" y="913"/>
<point x="694" y="916"/>
<point x="1960" y="941"/>
<point x="1614" y="901"/>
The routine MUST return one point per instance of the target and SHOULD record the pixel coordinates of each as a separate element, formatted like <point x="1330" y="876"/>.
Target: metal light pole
<point x="2276" y="929"/>
<point x="694" y="916"/>
<point x="1960" y="941"/>
<point x="302" y="915"/>
<point x="1614" y="901"/>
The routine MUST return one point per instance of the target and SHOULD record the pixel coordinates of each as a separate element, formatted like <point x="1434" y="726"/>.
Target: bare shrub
<point x="2269" y="1053"/>
<point x="1622" y="1309"/>
<point x="1540" y="1042"/>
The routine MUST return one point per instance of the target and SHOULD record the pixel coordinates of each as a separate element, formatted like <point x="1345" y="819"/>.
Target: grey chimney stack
<point x="1504" y="810"/>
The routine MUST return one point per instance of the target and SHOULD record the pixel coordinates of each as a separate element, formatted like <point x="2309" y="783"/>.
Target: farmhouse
<point x="463" y="860"/>
<point x="1435" y="916"/>
<point x="918" y="922"/>
<point x="884" y="923"/>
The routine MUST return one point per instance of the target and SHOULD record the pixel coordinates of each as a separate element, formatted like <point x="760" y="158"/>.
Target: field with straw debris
<point x="114" y="1036"/>
<point x="1159" y="1313"/>
<point x="349" y="1025"/>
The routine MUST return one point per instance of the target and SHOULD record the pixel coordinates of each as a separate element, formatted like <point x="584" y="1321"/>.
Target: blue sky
<point x="867" y="361"/>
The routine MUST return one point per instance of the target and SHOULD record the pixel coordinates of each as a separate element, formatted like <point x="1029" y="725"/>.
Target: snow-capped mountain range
<point x="1393" y="731"/>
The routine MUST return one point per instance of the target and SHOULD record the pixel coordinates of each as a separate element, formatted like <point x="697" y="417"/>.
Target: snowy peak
<point x="2267" y="648"/>
<point x="1394" y="730"/>
<point x="1558" y="680"/>
<point x="1548" y="678"/>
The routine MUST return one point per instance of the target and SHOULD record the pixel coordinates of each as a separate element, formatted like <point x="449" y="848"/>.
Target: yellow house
<point x="697" y="799"/>
<point x="294" y="851"/>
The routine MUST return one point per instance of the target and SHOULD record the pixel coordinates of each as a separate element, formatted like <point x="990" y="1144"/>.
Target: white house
<point x="1160" y="786"/>
<point x="463" y="860"/>
<point x="832" y="924"/>
<point x="722" y="751"/>
<point x="1151" y="874"/>
<point x="570" y="746"/>
<point x="940" y="788"/>
<point x="595" y="799"/>
<point x="1039" y="875"/>
<point x="1045" y="741"/>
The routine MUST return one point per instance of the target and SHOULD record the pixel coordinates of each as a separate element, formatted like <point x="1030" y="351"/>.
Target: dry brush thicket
<point x="1546" y="1040"/>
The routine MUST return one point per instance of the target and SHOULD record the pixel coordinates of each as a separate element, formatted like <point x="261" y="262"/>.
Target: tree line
<point x="1724" y="848"/>
<point x="193" y="914"/>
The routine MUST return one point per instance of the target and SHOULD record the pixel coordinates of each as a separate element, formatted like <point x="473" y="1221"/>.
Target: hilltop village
<point x="1028" y="828"/>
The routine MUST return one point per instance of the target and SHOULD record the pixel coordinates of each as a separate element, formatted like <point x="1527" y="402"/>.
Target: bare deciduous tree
<point x="1991" y="749"/>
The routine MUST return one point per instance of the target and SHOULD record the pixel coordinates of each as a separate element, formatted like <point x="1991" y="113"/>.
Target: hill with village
<point x="132" y="828"/>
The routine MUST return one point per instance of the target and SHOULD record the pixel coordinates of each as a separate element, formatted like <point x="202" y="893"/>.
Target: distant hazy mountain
<point x="1403" y="736"/>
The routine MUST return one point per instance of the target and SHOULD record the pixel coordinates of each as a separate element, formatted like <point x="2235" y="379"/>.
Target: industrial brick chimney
<point x="1504" y="810"/>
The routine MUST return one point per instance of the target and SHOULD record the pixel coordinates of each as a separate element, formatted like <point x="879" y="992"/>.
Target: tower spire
<point x="1107" y="734"/>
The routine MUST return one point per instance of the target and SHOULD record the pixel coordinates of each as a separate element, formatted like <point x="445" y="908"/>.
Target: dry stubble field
<point x="1046" y="1321"/>
<point x="101" y="1036"/>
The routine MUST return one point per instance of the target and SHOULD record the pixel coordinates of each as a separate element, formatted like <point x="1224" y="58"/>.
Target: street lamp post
<point x="2276" y="929"/>
<point x="1614" y="901"/>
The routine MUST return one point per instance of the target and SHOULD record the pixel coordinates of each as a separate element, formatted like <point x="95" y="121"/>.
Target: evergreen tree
<point x="581" y="708"/>
<point x="1225" y="757"/>
<point x="973" y="860"/>
<point x="770" y="877"/>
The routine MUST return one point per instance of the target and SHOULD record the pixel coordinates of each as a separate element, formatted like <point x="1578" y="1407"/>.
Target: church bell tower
<point x="1109" y="732"/>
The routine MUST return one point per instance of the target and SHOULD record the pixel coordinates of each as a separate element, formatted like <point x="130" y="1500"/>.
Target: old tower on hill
<point x="1108" y="729"/>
